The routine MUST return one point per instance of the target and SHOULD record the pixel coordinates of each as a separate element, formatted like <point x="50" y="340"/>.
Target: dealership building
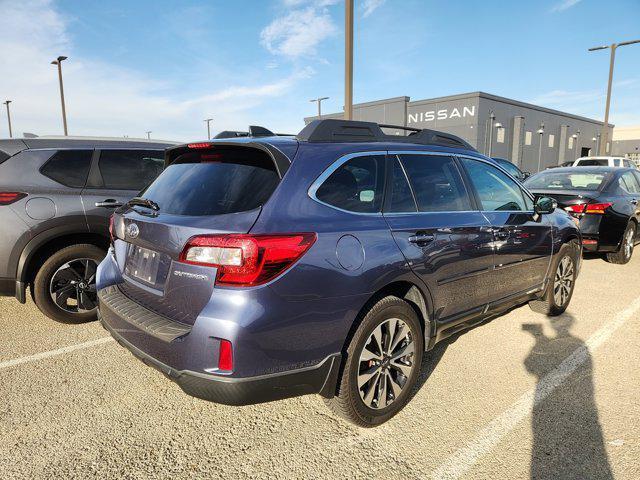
<point x="530" y="136"/>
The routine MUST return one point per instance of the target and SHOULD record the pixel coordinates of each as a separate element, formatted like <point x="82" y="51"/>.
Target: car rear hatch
<point x="205" y="189"/>
<point x="568" y="198"/>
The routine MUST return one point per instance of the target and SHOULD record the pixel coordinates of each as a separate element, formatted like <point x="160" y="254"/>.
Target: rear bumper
<point x="319" y="379"/>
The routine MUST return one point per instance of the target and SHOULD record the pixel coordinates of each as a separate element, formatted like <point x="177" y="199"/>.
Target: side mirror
<point x="545" y="205"/>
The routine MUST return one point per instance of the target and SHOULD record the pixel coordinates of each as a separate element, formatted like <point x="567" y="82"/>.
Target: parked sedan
<point x="512" y="169"/>
<point x="604" y="199"/>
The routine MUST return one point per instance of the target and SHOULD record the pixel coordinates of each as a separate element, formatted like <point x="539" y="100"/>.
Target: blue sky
<point x="164" y="66"/>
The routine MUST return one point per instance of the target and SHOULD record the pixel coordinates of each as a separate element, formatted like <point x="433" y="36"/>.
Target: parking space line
<point x="465" y="458"/>
<point x="54" y="353"/>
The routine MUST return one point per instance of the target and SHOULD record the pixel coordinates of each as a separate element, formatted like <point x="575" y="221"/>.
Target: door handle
<point x="422" y="238"/>
<point x="108" y="203"/>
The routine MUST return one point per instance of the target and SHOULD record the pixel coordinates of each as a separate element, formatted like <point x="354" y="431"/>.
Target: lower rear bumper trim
<point x="320" y="379"/>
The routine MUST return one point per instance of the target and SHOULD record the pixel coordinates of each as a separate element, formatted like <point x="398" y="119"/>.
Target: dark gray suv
<point x="56" y="197"/>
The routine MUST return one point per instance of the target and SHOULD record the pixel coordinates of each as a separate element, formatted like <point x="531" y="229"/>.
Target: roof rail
<point x="254" y="131"/>
<point x="334" y="130"/>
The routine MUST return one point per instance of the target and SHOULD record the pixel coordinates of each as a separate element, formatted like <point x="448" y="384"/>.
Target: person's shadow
<point x="567" y="438"/>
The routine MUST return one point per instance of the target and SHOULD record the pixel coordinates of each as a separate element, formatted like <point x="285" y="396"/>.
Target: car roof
<point x="589" y="169"/>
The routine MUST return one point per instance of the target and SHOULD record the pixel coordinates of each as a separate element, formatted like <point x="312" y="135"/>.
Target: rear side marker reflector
<point x="597" y="208"/>
<point x="225" y="358"/>
<point x="244" y="260"/>
<point x="7" y="198"/>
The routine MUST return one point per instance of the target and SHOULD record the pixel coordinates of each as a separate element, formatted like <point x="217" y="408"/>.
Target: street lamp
<point x="9" y="117"/>
<point x="148" y="134"/>
<point x="541" y="133"/>
<point x="605" y="125"/>
<point x="319" y="100"/>
<point x="492" y="117"/>
<point x="208" y="121"/>
<point x="58" y="62"/>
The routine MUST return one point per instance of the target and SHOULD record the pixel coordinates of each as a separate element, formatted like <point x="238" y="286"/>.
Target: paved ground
<point x="519" y="397"/>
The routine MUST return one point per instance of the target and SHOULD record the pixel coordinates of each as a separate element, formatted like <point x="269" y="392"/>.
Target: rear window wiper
<point x="143" y="202"/>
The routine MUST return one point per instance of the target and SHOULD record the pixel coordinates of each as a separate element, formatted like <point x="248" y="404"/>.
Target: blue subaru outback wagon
<point x="261" y="268"/>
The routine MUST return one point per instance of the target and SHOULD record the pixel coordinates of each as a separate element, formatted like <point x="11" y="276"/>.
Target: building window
<point x="500" y="135"/>
<point x="608" y="147"/>
<point x="570" y="143"/>
<point x="527" y="138"/>
<point x="552" y="139"/>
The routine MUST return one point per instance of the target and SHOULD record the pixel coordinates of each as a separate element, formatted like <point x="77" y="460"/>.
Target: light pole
<point x="208" y="122"/>
<point x="319" y="100"/>
<point x="148" y="134"/>
<point x="348" y="60"/>
<point x="576" y="137"/>
<point x="492" y="117"/>
<point x="541" y="133"/>
<point x="605" y="126"/>
<point x="9" y="118"/>
<point x="58" y="62"/>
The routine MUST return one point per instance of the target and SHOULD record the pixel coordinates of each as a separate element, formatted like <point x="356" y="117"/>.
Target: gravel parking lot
<point x="521" y="396"/>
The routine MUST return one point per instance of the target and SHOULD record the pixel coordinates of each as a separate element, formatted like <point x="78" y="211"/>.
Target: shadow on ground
<point x="568" y="441"/>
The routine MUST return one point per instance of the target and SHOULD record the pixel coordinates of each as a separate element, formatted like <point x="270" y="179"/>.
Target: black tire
<point x="348" y="402"/>
<point x="548" y="304"/>
<point x="624" y="253"/>
<point x="42" y="284"/>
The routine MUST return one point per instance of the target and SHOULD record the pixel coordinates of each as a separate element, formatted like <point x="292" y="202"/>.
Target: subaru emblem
<point x="132" y="230"/>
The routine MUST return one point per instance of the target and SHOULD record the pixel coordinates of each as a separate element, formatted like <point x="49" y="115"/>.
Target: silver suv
<point x="56" y="197"/>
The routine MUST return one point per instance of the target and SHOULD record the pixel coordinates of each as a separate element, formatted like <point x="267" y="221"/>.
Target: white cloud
<point x="299" y="32"/>
<point x="106" y="99"/>
<point x="564" y="5"/>
<point x="369" y="6"/>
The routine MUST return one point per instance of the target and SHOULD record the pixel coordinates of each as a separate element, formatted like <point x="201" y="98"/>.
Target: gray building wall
<point x="514" y="132"/>
<point x="627" y="148"/>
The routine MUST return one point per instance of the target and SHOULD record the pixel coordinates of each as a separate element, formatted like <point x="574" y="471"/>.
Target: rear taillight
<point x="225" y="357"/>
<point x="7" y="198"/>
<point x="597" y="208"/>
<point x="111" y="229"/>
<point x="247" y="260"/>
<point x="577" y="209"/>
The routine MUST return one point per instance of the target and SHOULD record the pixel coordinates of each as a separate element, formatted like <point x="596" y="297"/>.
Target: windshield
<point x="593" y="162"/>
<point x="551" y="180"/>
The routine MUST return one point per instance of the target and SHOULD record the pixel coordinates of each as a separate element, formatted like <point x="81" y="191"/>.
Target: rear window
<point x="215" y="183"/>
<point x="593" y="162"/>
<point x="567" y="181"/>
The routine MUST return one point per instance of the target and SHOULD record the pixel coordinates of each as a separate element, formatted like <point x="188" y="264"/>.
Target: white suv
<point x="604" y="162"/>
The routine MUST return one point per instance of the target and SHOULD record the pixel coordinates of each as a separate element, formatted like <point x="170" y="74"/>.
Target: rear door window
<point x="496" y="191"/>
<point x="129" y="169"/>
<point x="69" y="167"/>
<point x="355" y="186"/>
<point x="215" y="183"/>
<point x="436" y="183"/>
<point x="402" y="199"/>
<point x="628" y="183"/>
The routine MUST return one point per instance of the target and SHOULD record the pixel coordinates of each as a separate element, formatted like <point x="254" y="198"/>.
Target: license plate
<point x="142" y="264"/>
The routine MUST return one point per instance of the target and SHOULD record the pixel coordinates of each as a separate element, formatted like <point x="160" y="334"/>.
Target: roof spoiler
<point x="334" y="130"/>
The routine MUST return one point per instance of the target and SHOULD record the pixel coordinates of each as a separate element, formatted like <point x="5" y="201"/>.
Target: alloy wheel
<point x="563" y="281"/>
<point x="628" y="242"/>
<point x="73" y="286"/>
<point x="385" y="363"/>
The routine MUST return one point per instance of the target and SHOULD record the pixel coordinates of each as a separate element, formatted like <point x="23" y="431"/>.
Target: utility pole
<point x="9" y="118"/>
<point x="605" y="127"/>
<point x="319" y="101"/>
<point x="208" y="122"/>
<point x="148" y="135"/>
<point x="58" y="62"/>
<point x="348" y="60"/>
<point x="541" y="133"/>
